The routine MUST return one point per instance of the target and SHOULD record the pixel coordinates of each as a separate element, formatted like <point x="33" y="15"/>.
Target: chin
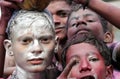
<point x="38" y="69"/>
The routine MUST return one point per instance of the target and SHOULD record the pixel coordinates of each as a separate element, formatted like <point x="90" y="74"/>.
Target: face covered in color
<point x="82" y="21"/>
<point x="32" y="41"/>
<point x="89" y="65"/>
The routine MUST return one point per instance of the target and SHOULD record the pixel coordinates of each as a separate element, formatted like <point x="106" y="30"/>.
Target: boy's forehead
<point x="32" y="21"/>
<point x="26" y="18"/>
<point x="30" y="17"/>
<point x="83" y="12"/>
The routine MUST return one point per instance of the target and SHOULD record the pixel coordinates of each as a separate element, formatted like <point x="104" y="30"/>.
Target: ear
<point x="109" y="72"/>
<point x="108" y="37"/>
<point x="8" y="47"/>
<point x="56" y="44"/>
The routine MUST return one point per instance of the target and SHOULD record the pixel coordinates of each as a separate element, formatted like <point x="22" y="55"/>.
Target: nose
<point x="81" y="22"/>
<point x="84" y="66"/>
<point x="56" y="20"/>
<point x="37" y="48"/>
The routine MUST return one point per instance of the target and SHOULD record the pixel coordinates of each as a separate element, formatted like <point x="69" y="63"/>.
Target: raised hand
<point x="7" y="7"/>
<point x="66" y="71"/>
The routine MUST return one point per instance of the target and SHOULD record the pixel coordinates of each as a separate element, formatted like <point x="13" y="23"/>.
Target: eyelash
<point x="93" y="59"/>
<point x="45" y="40"/>
<point x="26" y="41"/>
<point x="63" y="14"/>
<point x="90" y="20"/>
<point x="90" y="59"/>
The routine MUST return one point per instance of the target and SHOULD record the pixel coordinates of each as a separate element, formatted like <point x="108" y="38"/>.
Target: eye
<point x="63" y="13"/>
<point x="45" y="40"/>
<point x="90" y="21"/>
<point x="26" y="41"/>
<point x="93" y="59"/>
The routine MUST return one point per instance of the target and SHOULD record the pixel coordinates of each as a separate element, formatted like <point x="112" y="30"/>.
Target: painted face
<point x="33" y="44"/>
<point x="60" y="15"/>
<point x="83" y="20"/>
<point x="90" y="64"/>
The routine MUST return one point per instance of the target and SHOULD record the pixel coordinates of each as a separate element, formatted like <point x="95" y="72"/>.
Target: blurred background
<point x="115" y="30"/>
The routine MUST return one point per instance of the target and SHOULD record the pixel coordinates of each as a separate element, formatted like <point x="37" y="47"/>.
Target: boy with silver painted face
<point x="32" y="41"/>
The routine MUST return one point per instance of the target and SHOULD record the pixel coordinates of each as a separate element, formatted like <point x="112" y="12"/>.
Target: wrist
<point x="3" y="25"/>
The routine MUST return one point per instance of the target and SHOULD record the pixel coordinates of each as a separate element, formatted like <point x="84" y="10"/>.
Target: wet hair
<point x="75" y="7"/>
<point x="26" y="18"/>
<point x="90" y="39"/>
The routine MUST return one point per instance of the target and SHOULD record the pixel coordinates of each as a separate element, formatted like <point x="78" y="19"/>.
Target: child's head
<point x="81" y="21"/>
<point x="93" y="57"/>
<point x="31" y="39"/>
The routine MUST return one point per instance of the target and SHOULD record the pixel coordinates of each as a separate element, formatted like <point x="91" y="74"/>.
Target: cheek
<point x="48" y="49"/>
<point x="64" y="20"/>
<point x="99" y="68"/>
<point x="19" y="50"/>
<point x="96" y="27"/>
<point x="71" y="32"/>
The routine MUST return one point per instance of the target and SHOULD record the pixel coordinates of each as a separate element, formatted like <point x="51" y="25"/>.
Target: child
<point x="86" y="58"/>
<point x="31" y="39"/>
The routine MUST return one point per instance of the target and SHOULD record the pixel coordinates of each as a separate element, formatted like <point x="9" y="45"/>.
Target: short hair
<point x="67" y="1"/>
<point x="90" y="39"/>
<point x="75" y="7"/>
<point x="28" y="17"/>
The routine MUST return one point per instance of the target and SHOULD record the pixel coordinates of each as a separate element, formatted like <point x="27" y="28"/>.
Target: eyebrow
<point x="92" y="53"/>
<point x="46" y="36"/>
<point x="77" y="17"/>
<point x="60" y="11"/>
<point x="74" y="56"/>
<point x="88" y="54"/>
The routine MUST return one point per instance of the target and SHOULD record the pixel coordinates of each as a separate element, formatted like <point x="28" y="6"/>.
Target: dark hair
<point x="75" y="7"/>
<point x="67" y="1"/>
<point x="91" y="39"/>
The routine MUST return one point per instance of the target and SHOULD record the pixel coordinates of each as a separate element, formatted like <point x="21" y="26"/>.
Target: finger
<point x="16" y="1"/>
<point x="8" y="4"/>
<point x="68" y="68"/>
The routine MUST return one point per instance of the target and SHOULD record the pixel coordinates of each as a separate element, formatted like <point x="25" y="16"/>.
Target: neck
<point x="21" y="74"/>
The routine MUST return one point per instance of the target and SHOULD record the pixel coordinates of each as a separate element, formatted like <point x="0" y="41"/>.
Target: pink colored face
<point x="90" y="63"/>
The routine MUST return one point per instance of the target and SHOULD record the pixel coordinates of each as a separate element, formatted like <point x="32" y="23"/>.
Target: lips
<point x="88" y="77"/>
<point x="36" y="61"/>
<point x="59" y="29"/>
<point x="82" y="31"/>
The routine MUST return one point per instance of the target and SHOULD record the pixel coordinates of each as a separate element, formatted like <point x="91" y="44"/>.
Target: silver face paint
<point x="33" y="42"/>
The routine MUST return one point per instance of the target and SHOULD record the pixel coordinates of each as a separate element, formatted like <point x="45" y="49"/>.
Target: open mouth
<point x="88" y="77"/>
